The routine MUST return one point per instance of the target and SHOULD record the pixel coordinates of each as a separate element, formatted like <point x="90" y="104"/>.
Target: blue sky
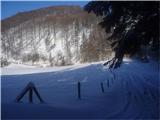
<point x="10" y="8"/>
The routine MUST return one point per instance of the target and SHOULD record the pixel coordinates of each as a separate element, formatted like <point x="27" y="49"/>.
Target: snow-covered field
<point x="131" y="91"/>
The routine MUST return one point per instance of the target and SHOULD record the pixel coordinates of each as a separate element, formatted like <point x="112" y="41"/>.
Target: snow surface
<point x="131" y="91"/>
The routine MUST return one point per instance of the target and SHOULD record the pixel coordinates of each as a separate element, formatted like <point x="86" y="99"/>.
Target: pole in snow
<point x="79" y="90"/>
<point x="30" y="88"/>
<point x="30" y="95"/>
<point x="102" y="88"/>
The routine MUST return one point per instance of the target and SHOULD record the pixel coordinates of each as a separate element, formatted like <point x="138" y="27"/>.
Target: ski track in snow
<point x="131" y="91"/>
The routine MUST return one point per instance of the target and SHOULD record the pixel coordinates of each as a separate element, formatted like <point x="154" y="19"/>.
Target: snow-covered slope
<point x="54" y="37"/>
<point x="131" y="91"/>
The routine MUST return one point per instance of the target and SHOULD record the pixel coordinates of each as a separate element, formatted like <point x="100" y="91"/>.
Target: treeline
<point x="25" y="16"/>
<point x="54" y="36"/>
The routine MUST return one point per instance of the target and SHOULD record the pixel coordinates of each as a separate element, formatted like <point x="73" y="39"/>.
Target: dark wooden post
<point x="79" y="90"/>
<point x="30" y="96"/>
<point x="36" y="92"/>
<point x="24" y="91"/>
<point x="30" y="88"/>
<point x="102" y="88"/>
